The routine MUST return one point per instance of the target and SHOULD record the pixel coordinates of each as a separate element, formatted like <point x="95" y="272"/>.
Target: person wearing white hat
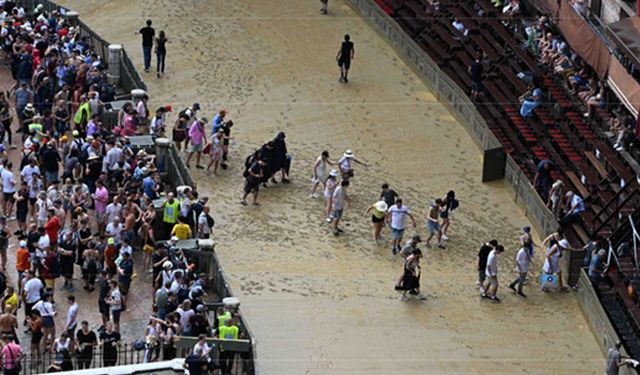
<point x="378" y="212"/>
<point x="552" y="262"/>
<point x="330" y="185"/>
<point x="345" y="164"/>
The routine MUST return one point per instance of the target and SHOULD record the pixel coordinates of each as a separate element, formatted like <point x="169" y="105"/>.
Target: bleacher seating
<point x="565" y="137"/>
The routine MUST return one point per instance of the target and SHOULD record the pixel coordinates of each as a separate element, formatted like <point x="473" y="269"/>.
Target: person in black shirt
<point x="475" y="70"/>
<point x="22" y="209"/>
<point x="85" y="340"/>
<point x="226" y="129"/>
<point x="194" y="363"/>
<point x="147" y="44"/>
<point x="109" y="339"/>
<point x="483" y="254"/>
<point x="388" y="195"/>
<point x="161" y="51"/>
<point x="254" y="176"/>
<point x="344" y="57"/>
<point x="50" y="164"/>
<point x="103" y="293"/>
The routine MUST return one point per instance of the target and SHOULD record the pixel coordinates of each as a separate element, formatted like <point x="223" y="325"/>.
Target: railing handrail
<point x="614" y="215"/>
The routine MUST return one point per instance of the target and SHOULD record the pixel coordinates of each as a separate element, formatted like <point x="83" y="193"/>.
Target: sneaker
<point x="421" y="297"/>
<point x="483" y="295"/>
<point x="403" y="298"/>
<point x="329" y="219"/>
<point x="495" y="299"/>
<point x="445" y="237"/>
<point x="336" y="232"/>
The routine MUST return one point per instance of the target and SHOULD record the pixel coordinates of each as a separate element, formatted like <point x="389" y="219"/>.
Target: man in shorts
<point x="115" y="301"/>
<point x="197" y="139"/>
<point x="340" y="197"/>
<point x="483" y="254"/>
<point x="433" y="223"/>
<point x="396" y="217"/>
<point x="125" y="273"/>
<point x="344" y="57"/>
<point x="491" y="282"/>
<point x="253" y="177"/>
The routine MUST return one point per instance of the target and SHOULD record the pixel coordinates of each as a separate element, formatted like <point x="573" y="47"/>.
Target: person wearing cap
<point x="552" y="262"/>
<point x="491" y="285"/>
<point x="573" y="210"/>
<point x="23" y="263"/>
<point x="330" y="185"/>
<point x="396" y="218"/>
<point x="378" y="212"/>
<point x="345" y="164"/>
<point x="197" y="139"/>
<point x="523" y="258"/>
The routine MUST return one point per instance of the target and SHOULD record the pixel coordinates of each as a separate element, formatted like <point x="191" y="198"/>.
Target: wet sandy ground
<point x="324" y="305"/>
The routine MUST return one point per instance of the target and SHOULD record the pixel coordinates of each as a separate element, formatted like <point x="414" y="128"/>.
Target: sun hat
<point x="167" y="265"/>
<point x="381" y="206"/>
<point x="563" y="243"/>
<point x="29" y="107"/>
<point x="348" y="154"/>
<point x="333" y="173"/>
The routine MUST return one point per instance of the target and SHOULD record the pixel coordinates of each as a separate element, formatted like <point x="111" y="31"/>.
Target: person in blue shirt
<point x="149" y="185"/>
<point x="530" y="103"/>
<point x="574" y="209"/>
<point x="597" y="267"/>
<point x="218" y="120"/>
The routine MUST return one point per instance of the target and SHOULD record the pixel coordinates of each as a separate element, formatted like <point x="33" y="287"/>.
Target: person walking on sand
<point x="388" y="195"/>
<point x="197" y="139"/>
<point x="330" y="185"/>
<point x="346" y="53"/>
<point x="396" y="217"/>
<point x="147" y="33"/>
<point x="215" y="150"/>
<point x="433" y="223"/>
<point x="490" y="285"/>
<point x="319" y="171"/>
<point x="325" y="4"/>
<point x="411" y="278"/>
<point x="378" y="213"/>
<point x="345" y="164"/>
<point x="340" y="197"/>
<point x="161" y="52"/>
<point x="552" y="263"/>
<point x="449" y="203"/>
<point x="522" y="266"/>
<point x="254" y="175"/>
<point x="483" y="254"/>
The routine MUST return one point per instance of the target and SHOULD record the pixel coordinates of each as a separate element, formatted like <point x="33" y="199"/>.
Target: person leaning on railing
<point x="229" y="331"/>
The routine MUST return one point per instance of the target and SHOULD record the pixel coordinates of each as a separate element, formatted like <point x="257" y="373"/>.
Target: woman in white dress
<point x="552" y="262"/>
<point x="319" y="172"/>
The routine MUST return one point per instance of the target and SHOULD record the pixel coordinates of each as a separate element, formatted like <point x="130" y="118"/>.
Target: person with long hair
<point x="161" y="52"/>
<point x="319" y="170"/>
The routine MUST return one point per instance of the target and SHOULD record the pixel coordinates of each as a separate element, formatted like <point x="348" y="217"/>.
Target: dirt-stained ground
<point x="325" y="305"/>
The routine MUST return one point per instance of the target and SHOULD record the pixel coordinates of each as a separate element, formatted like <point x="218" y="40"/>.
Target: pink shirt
<point x="10" y="355"/>
<point x="196" y="133"/>
<point x="102" y="197"/>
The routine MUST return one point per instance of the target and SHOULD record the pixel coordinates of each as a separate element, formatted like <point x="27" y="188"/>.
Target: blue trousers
<point x="146" y="50"/>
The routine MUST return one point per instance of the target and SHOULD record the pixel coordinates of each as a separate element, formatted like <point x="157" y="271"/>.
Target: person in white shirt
<point x="29" y="169"/>
<point x="8" y="188"/>
<point x="491" y="282"/>
<point x="114" y="230"/>
<point x="344" y="163"/>
<point x="204" y="226"/>
<point x="72" y="316"/>
<point x="522" y="266"/>
<point x="31" y="291"/>
<point x="201" y="346"/>
<point x="113" y="209"/>
<point x="396" y="218"/>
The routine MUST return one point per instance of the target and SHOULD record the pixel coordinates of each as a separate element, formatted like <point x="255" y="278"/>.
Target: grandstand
<point x="592" y="161"/>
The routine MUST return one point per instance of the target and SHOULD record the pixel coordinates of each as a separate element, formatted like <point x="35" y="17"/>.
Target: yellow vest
<point x="84" y="107"/>
<point x="171" y="211"/>
<point x="228" y="332"/>
<point x="34" y="127"/>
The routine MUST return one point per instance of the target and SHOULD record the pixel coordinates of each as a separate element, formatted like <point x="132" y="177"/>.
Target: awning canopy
<point x="626" y="33"/>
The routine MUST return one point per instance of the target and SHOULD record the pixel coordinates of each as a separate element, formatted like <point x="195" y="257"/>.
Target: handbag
<point x="17" y="366"/>
<point x="207" y="148"/>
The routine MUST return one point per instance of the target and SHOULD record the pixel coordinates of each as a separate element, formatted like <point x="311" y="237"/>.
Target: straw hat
<point x="348" y="154"/>
<point x="381" y="206"/>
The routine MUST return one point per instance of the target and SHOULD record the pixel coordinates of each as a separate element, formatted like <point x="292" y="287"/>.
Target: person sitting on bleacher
<point x="460" y="27"/>
<point x="530" y="102"/>
<point x="573" y="209"/>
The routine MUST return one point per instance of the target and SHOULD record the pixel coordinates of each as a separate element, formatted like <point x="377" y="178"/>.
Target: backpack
<point x="455" y="204"/>
<point x="210" y="221"/>
<point x="183" y="294"/>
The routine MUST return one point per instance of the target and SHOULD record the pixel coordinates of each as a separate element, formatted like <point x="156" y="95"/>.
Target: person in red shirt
<point x="49" y="268"/>
<point x="110" y="254"/>
<point x="22" y="262"/>
<point x="52" y="226"/>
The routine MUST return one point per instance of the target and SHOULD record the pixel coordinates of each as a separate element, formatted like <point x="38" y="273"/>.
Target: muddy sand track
<point x="325" y="305"/>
